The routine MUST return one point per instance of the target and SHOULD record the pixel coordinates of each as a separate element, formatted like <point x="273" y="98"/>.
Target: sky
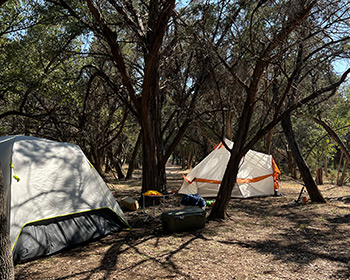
<point x="341" y="66"/>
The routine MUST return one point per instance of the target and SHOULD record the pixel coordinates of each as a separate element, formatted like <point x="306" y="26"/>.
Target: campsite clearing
<point x="265" y="238"/>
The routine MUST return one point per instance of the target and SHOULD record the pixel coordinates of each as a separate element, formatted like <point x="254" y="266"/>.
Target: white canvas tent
<point x="54" y="197"/>
<point x="257" y="175"/>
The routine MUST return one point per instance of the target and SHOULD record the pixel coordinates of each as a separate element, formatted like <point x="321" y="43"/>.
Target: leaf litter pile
<point x="264" y="238"/>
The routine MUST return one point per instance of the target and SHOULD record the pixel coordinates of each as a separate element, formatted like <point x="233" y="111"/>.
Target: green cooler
<point x="186" y="219"/>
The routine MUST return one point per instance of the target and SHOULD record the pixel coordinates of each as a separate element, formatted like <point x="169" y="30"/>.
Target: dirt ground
<point x="265" y="238"/>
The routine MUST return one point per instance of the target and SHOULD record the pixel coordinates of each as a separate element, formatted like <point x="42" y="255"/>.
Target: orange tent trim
<point x="239" y="181"/>
<point x="253" y="180"/>
<point x="206" y="181"/>
<point x="219" y="146"/>
<point x="275" y="174"/>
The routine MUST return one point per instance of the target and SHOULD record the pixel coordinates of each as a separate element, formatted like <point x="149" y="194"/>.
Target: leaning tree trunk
<point x="309" y="182"/>
<point x="291" y="164"/>
<point x="6" y="262"/>
<point x="224" y="195"/>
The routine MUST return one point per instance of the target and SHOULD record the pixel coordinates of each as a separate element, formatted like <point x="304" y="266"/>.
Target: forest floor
<point x="265" y="238"/>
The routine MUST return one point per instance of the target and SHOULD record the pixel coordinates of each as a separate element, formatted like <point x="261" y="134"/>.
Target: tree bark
<point x="6" y="261"/>
<point x="309" y="182"/>
<point x="107" y="165"/>
<point x="116" y="163"/>
<point x="319" y="176"/>
<point x="228" y="181"/>
<point x="132" y="162"/>
<point x="183" y="154"/>
<point x="153" y="174"/>
<point x="342" y="178"/>
<point x="190" y="157"/>
<point x="339" y="166"/>
<point x="229" y="124"/>
<point x="291" y="164"/>
<point x="269" y="142"/>
<point x="98" y="159"/>
<point x="153" y="171"/>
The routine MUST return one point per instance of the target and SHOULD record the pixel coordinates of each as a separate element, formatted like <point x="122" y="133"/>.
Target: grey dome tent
<point x="54" y="196"/>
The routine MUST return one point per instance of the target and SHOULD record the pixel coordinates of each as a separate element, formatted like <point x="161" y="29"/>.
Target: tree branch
<point x="293" y="107"/>
<point x="111" y="39"/>
<point x="334" y="136"/>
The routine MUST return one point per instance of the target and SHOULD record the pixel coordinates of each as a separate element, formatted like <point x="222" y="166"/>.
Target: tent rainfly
<point x="257" y="175"/>
<point x="54" y="197"/>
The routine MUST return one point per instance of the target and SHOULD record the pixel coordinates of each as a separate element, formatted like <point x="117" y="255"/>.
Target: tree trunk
<point x="342" y="178"/>
<point x="132" y="162"/>
<point x="190" y="158"/>
<point x="153" y="174"/>
<point x="116" y="161"/>
<point x="269" y="142"/>
<point x="6" y="261"/>
<point x="107" y="165"/>
<point x="224" y="195"/>
<point x="339" y="166"/>
<point x="325" y="163"/>
<point x="229" y="124"/>
<point x="291" y="164"/>
<point x="319" y="176"/>
<point x="153" y="169"/>
<point x="183" y="161"/>
<point x="98" y="159"/>
<point x="117" y="165"/>
<point x="309" y="182"/>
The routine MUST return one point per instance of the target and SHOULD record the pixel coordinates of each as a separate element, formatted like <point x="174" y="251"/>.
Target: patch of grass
<point x="226" y="229"/>
<point x="303" y="226"/>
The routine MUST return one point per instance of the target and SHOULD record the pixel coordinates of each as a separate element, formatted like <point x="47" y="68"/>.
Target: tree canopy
<point x="172" y="78"/>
